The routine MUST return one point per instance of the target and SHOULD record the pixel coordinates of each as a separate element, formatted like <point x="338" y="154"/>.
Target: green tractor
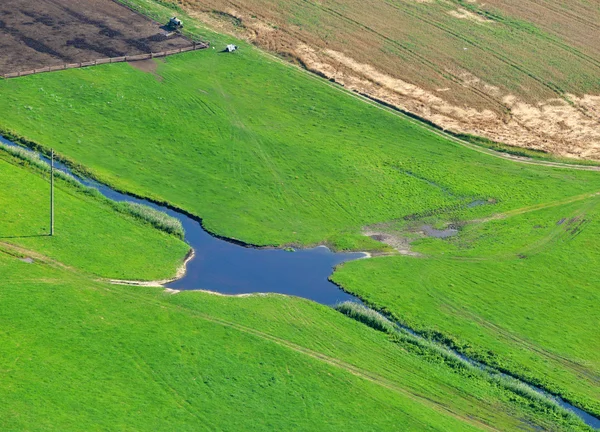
<point x="174" y="24"/>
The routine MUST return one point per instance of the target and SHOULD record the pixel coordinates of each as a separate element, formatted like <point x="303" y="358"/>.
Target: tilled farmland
<point x="56" y="32"/>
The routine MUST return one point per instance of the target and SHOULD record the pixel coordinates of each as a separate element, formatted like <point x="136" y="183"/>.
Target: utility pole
<point x="52" y="192"/>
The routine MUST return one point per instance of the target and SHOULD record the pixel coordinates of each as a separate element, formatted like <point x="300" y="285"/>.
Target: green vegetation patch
<point x="518" y="292"/>
<point x="269" y="155"/>
<point x="268" y="161"/>
<point x="89" y="233"/>
<point x="81" y="355"/>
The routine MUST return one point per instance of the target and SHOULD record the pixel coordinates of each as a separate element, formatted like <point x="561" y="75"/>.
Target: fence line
<point x="137" y="57"/>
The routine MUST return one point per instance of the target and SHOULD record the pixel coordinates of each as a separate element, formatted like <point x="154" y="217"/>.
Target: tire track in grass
<point x="540" y="244"/>
<point x="503" y="59"/>
<point x="169" y="390"/>
<point x="528" y="345"/>
<point x="340" y="364"/>
<point x="557" y="42"/>
<point x="542" y="206"/>
<point x="566" y="13"/>
<point x="506" y="60"/>
<point x="548" y="37"/>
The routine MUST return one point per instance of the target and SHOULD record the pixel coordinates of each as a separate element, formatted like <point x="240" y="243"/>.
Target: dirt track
<point x="35" y="34"/>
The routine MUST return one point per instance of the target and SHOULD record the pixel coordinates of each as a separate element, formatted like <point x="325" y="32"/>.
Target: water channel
<point x="231" y="268"/>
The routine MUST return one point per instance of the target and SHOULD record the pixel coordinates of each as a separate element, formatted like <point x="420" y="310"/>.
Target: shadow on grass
<point x="24" y="236"/>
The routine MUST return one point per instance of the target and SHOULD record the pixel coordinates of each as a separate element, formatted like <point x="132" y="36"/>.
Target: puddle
<point x="477" y="203"/>
<point x="429" y="231"/>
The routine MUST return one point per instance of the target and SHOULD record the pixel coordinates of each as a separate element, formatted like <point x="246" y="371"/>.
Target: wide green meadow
<point x="266" y="160"/>
<point x="88" y="234"/>
<point x="270" y="155"/>
<point x="81" y="354"/>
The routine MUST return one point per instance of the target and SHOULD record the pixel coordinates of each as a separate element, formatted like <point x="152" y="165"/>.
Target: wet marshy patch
<point x="430" y="231"/>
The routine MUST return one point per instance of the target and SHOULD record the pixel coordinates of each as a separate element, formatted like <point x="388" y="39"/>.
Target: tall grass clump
<point x="436" y="352"/>
<point x="156" y="218"/>
<point x="366" y="316"/>
<point x="33" y="158"/>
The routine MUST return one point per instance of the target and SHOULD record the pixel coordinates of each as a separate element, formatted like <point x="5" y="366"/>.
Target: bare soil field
<point x="526" y="73"/>
<point x="40" y="33"/>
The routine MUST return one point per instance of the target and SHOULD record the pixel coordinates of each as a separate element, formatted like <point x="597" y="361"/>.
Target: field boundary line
<point x="426" y="124"/>
<point x="131" y="58"/>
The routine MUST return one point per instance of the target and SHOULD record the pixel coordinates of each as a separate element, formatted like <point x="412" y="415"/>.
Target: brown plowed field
<point x="522" y="72"/>
<point x="39" y="33"/>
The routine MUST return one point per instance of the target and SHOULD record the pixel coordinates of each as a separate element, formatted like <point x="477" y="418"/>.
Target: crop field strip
<point x="578" y="15"/>
<point x="406" y="49"/>
<point x="504" y="59"/>
<point x="413" y="53"/>
<point x="544" y="62"/>
<point x="429" y="19"/>
<point x="556" y="41"/>
<point x="416" y="10"/>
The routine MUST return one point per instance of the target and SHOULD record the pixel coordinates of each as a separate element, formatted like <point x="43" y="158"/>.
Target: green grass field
<point x="88" y="235"/>
<point x="519" y="292"/>
<point x="83" y="355"/>
<point x="306" y="165"/>
<point x="79" y="354"/>
<point x="269" y="155"/>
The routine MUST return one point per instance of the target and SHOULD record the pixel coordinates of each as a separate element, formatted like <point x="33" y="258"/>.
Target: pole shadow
<point x="24" y="236"/>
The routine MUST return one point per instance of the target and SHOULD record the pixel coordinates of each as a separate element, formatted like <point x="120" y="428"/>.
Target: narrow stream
<point x="229" y="268"/>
